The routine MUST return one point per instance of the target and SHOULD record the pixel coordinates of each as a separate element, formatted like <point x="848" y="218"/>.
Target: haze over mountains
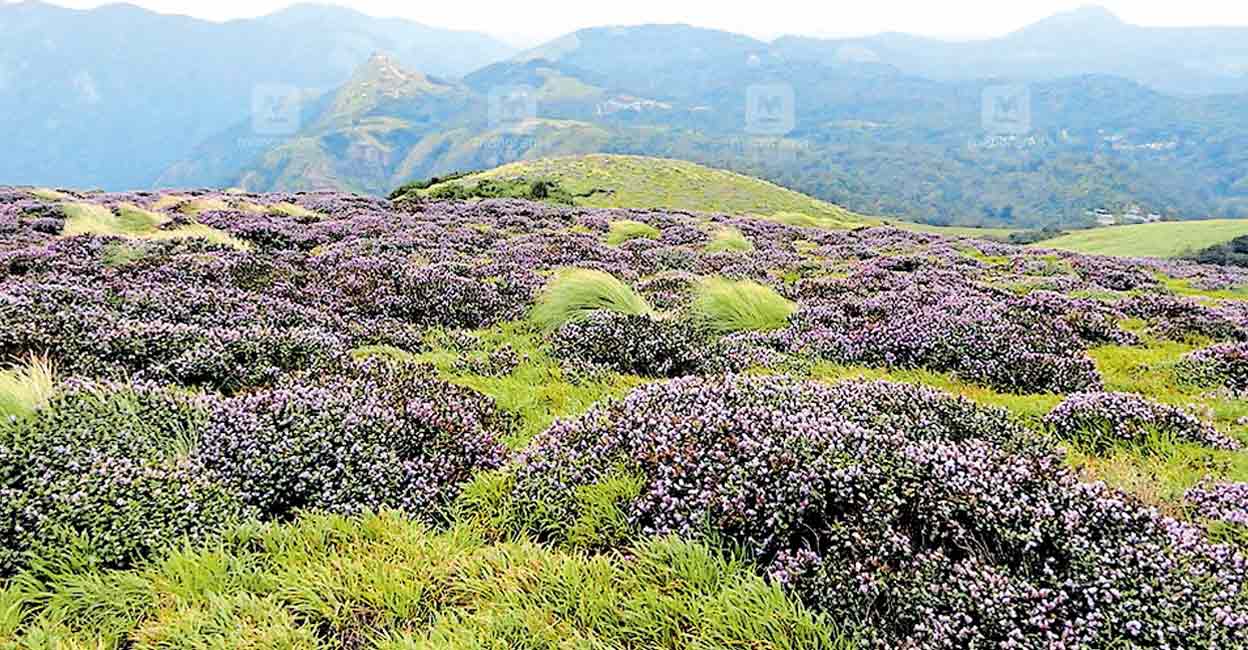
<point x="1119" y="116"/>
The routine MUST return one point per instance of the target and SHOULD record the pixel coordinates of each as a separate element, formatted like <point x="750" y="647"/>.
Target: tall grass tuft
<point x="574" y="293"/>
<point x="729" y="240"/>
<point x="624" y="230"/>
<point x="736" y="306"/>
<point x="25" y="388"/>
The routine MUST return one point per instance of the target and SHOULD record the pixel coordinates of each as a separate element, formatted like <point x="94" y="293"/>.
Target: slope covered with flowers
<point x="510" y="368"/>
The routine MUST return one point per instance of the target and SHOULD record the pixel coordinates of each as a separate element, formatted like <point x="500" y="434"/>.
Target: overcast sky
<point x="528" y="22"/>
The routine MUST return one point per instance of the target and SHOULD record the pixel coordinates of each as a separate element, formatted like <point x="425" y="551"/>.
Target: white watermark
<point x="511" y="106"/>
<point x="770" y="109"/>
<point x="1007" y="110"/>
<point x="276" y="109"/>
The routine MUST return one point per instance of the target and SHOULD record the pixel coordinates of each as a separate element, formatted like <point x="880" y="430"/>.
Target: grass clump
<point x="383" y="581"/>
<point x="729" y="240"/>
<point x="25" y="388"/>
<point x="737" y="306"/>
<point x="574" y="293"/>
<point x="626" y="230"/>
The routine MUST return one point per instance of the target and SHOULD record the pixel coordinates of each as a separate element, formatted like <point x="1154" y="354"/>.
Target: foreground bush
<point x="938" y="532"/>
<point x="377" y="437"/>
<point x="382" y="581"/>
<point x="108" y="468"/>
<point x="1101" y="420"/>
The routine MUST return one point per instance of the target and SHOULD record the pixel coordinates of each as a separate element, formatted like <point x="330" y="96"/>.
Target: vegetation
<point x="1231" y="253"/>
<point x="738" y="306"/>
<point x="666" y="441"/>
<point x="1166" y="239"/>
<point x="600" y="180"/>
<point x="625" y="230"/>
<point x="574" y="293"/>
<point x="729" y="240"/>
<point x="25" y="388"/>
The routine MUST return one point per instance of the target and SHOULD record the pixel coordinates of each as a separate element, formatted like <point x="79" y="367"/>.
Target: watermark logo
<point x="511" y="106"/>
<point x="275" y="109"/>
<point x="1007" y="110"/>
<point x="770" y="109"/>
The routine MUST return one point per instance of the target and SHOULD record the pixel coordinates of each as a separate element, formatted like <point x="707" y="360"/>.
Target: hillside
<point x="1168" y="239"/>
<point x="321" y="420"/>
<point x="620" y="181"/>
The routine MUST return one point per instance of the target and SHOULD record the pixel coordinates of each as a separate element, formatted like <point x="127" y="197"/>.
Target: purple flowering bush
<point x="375" y="437"/>
<point x="1225" y="365"/>
<point x="1101" y="420"/>
<point x="108" y="467"/>
<point x="640" y="344"/>
<point x="939" y="529"/>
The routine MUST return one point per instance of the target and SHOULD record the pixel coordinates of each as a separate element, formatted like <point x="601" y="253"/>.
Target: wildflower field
<point x="322" y="420"/>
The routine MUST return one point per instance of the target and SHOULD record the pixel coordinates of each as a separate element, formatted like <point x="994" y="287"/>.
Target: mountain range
<point x="1103" y="118"/>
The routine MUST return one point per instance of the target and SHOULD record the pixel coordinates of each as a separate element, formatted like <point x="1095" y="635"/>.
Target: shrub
<point x="377" y="437"/>
<point x="575" y="293"/>
<point x="626" y="230"/>
<point x="642" y="344"/>
<point x="928" y="533"/>
<point x="109" y="468"/>
<point x="728" y="306"/>
<point x="1101" y="420"/>
<point x="1224" y="365"/>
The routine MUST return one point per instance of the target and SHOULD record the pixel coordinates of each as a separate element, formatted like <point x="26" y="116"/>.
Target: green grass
<point x="603" y="180"/>
<point x="1168" y="239"/>
<point x="135" y="222"/>
<point x="380" y="581"/>
<point x="625" y="230"/>
<point x="93" y="219"/>
<point x="25" y="388"/>
<point x="537" y="392"/>
<point x="574" y="293"/>
<point x="737" y="306"/>
<point x="729" y="240"/>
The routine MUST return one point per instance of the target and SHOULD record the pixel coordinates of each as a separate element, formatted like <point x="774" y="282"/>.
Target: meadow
<point x="322" y="420"/>
<point x="1165" y="239"/>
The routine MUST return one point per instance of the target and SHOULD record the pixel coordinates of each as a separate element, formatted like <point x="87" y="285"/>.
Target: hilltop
<point x="623" y="181"/>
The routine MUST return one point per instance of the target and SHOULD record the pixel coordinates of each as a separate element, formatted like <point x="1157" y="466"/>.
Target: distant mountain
<point x="113" y="96"/>
<point x="863" y="135"/>
<point x="1176" y="60"/>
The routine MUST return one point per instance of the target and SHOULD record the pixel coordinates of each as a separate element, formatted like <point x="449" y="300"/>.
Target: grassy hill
<point x="1169" y="239"/>
<point x="602" y="181"/>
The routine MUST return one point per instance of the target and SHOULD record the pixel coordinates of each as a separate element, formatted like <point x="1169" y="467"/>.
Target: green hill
<point x="602" y="180"/>
<point x="1168" y="239"/>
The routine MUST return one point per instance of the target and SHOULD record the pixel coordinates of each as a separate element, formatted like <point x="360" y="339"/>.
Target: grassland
<point x="616" y="181"/>
<point x="1169" y="239"/>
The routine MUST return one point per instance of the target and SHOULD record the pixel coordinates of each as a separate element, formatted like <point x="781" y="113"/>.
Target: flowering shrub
<point x="641" y="344"/>
<point x="1225" y="365"/>
<point x="1101" y="420"/>
<point x="1224" y="502"/>
<point x="373" y="438"/>
<point x="923" y="526"/>
<point x="107" y="466"/>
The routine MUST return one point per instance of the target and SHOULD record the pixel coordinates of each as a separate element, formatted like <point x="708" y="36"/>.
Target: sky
<point x="529" y="22"/>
